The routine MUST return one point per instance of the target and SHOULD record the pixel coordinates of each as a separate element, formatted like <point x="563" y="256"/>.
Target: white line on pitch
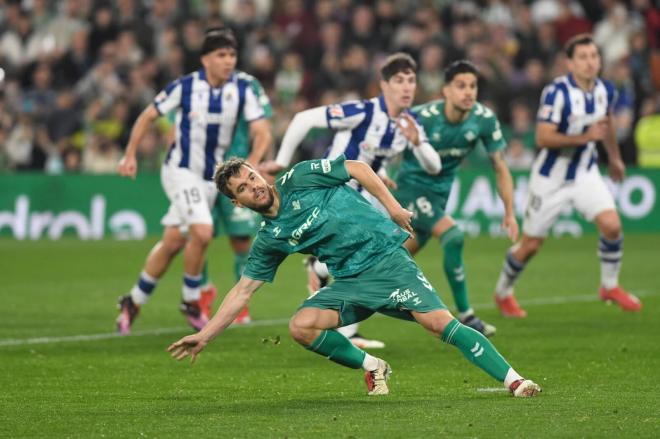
<point x="159" y="331"/>
<point x="109" y="335"/>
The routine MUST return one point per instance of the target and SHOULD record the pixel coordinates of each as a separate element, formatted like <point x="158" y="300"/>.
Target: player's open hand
<point x="408" y="128"/>
<point x="617" y="169"/>
<point x="510" y="224"/>
<point x="189" y="345"/>
<point x="127" y="166"/>
<point x="403" y="217"/>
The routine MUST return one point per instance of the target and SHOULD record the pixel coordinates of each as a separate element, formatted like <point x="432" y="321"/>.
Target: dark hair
<point x="226" y="170"/>
<point x="397" y="63"/>
<point x="218" y="38"/>
<point x="578" y="40"/>
<point x="458" y="67"/>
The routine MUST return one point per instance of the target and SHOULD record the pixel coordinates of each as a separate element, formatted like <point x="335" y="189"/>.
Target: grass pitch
<point x="65" y="375"/>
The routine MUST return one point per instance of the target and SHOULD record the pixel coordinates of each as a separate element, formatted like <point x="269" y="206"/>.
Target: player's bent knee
<point x="301" y="328"/>
<point x="434" y="321"/>
<point x="201" y="233"/>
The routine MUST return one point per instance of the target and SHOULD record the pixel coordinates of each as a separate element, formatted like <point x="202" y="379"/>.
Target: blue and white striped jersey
<point x="573" y="110"/>
<point x="205" y="119"/>
<point x="366" y="132"/>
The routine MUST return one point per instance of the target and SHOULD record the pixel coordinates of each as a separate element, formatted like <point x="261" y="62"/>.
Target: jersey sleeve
<point x="252" y="109"/>
<point x="345" y="116"/>
<point x="169" y="98"/>
<point x="262" y="98"/>
<point x="612" y="96"/>
<point x="491" y="134"/>
<point x="316" y="173"/>
<point x="552" y="105"/>
<point x="263" y="261"/>
<point x="421" y="133"/>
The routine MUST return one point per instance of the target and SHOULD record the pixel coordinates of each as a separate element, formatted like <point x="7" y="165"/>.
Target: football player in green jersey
<point x="238" y="223"/>
<point x="306" y="211"/>
<point x="454" y="126"/>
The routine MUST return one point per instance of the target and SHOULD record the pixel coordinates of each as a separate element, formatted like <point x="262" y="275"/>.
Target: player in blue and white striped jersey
<point x="575" y="113"/>
<point x="208" y="104"/>
<point x="370" y="130"/>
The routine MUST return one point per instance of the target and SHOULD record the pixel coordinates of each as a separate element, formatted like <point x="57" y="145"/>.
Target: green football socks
<point x="476" y="348"/>
<point x="452" y="245"/>
<point x="337" y="348"/>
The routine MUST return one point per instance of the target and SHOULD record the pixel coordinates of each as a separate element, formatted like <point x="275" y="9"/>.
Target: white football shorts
<point x="191" y="198"/>
<point x="546" y="198"/>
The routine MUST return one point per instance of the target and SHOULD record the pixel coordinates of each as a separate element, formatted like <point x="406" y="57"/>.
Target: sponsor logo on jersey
<point x="326" y="166"/>
<point x="300" y="230"/>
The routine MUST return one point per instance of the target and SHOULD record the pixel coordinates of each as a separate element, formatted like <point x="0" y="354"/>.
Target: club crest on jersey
<point x="296" y="204"/>
<point x="470" y="136"/>
<point x="277" y="231"/>
<point x="336" y="111"/>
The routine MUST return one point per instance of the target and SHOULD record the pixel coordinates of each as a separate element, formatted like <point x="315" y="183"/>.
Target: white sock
<point x="464" y="314"/>
<point x="610" y="254"/>
<point x="321" y="270"/>
<point x="370" y="363"/>
<point x="191" y="289"/>
<point x="348" y="331"/>
<point x="511" y="377"/>
<point x="508" y="276"/>
<point x="142" y="289"/>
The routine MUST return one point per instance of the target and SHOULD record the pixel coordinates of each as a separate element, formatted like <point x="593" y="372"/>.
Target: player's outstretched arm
<point x="301" y="124"/>
<point x="375" y="186"/>
<point x="427" y="156"/>
<point x="237" y="298"/>
<point x="504" y="184"/>
<point x="261" y="140"/>
<point x="128" y="163"/>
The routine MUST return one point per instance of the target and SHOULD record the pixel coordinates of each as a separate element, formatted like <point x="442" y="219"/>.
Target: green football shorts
<point x="427" y="209"/>
<point x="233" y="221"/>
<point x="394" y="287"/>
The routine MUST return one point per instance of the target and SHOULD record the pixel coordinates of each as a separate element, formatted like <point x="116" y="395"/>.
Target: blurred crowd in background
<point x="75" y="74"/>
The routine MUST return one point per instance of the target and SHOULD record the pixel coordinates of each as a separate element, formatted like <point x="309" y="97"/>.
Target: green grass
<point x="598" y="366"/>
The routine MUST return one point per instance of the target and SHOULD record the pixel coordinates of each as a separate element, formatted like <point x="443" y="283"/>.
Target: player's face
<point x="585" y="63"/>
<point x="461" y="92"/>
<point x="220" y="63"/>
<point x="400" y="89"/>
<point x="251" y="190"/>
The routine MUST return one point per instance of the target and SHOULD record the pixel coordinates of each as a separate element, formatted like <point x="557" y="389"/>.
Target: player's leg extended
<point x="318" y="277"/>
<point x="158" y="260"/>
<point x="476" y="348"/>
<point x="451" y="240"/>
<point x="200" y="236"/>
<point x="313" y="329"/>
<point x="514" y="263"/>
<point x="610" y="252"/>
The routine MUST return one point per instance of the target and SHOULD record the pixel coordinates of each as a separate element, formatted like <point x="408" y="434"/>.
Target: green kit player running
<point x="454" y="128"/>
<point x="311" y="210"/>
<point x="238" y="223"/>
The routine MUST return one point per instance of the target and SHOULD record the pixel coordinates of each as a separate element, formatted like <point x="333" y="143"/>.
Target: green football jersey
<point x="320" y="214"/>
<point x="453" y="142"/>
<point x="240" y="145"/>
